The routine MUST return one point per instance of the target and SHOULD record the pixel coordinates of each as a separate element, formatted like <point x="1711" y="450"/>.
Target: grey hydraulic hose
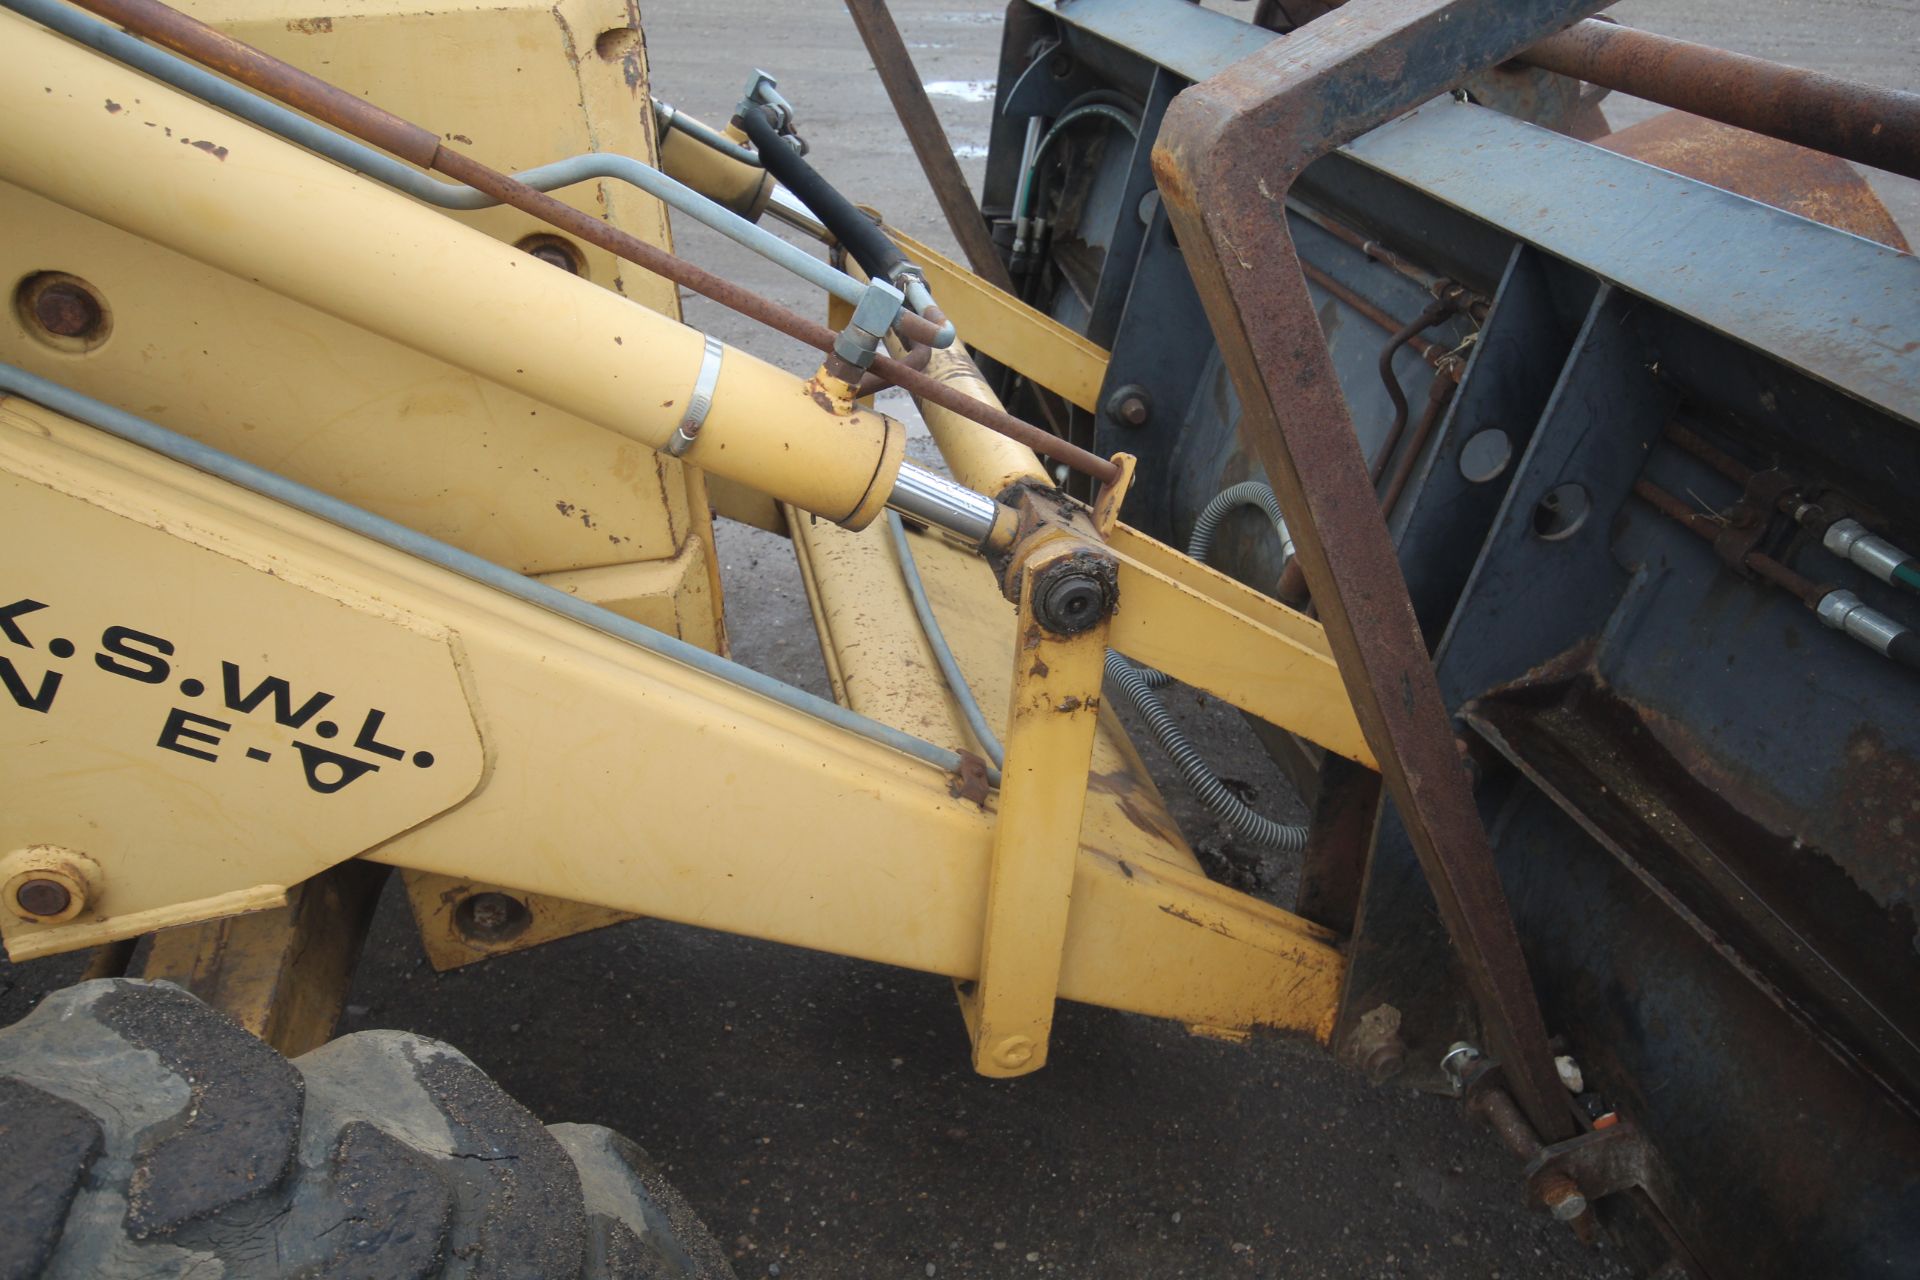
<point x="942" y="654"/>
<point x="1140" y="685"/>
<point x="1248" y="493"/>
<point x="297" y="129"/>
<point x="268" y="484"/>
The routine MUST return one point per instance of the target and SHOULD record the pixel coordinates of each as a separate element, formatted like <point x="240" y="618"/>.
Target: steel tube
<point x="933" y="499"/>
<point x="1860" y="122"/>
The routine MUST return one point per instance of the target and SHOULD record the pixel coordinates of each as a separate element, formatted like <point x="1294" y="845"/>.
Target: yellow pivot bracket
<point x="1066" y="592"/>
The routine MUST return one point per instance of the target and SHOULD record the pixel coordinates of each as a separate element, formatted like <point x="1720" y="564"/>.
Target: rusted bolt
<point x="491" y="917"/>
<point x="43" y="897"/>
<point x="1562" y="1196"/>
<point x="67" y="309"/>
<point x="554" y="251"/>
<point x="1130" y="406"/>
<point x="55" y="305"/>
<point x="48" y="884"/>
<point x="1013" y="1052"/>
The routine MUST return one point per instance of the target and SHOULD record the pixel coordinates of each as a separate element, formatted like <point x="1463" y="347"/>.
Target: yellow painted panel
<point x="186" y="689"/>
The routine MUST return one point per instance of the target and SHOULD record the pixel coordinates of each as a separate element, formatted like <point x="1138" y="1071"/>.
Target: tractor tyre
<point x="145" y="1134"/>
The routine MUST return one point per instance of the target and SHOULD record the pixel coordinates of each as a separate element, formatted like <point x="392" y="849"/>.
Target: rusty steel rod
<point x="1228" y="153"/>
<point x="1709" y="526"/>
<point x="334" y="106"/>
<point x="1861" y="122"/>
<point x="928" y="139"/>
<point x="1429" y="350"/>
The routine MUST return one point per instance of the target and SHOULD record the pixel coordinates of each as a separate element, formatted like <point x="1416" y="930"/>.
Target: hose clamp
<point x="702" y="400"/>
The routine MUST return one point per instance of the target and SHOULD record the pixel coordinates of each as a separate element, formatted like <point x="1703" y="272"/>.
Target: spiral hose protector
<point x="1139" y="684"/>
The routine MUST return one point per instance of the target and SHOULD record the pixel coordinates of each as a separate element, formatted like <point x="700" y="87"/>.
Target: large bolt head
<point x="1568" y="1205"/>
<point x="490" y="918"/>
<point x="1130" y="406"/>
<point x="1074" y="594"/>
<point x="1014" y="1052"/>
<point x="43" y="897"/>
<point x="67" y="310"/>
<point x="63" y="308"/>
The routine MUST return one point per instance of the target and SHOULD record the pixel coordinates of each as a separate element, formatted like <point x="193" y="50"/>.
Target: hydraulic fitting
<point x="879" y="307"/>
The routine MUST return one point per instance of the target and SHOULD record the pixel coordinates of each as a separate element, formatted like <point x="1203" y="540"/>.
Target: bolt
<point x="67" y="309"/>
<point x="1130" y="406"/>
<point x="43" y="897"/>
<point x="551" y="250"/>
<point x="1013" y="1052"/>
<point x="1071" y="603"/>
<point x="492" y="917"/>
<point x="1563" y="1197"/>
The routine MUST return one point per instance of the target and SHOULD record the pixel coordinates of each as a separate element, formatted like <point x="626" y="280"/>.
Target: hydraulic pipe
<point x="1860" y="122"/>
<point x="175" y="30"/>
<point x="262" y="210"/>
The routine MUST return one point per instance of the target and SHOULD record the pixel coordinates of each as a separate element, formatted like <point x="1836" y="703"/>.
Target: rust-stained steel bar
<point x="1436" y="311"/>
<point x="1437" y="397"/>
<point x="1228" y="154"/>
<point x="929" y="140"/>
<point x="1860" y="122"/>
<point x="333" y="106"/>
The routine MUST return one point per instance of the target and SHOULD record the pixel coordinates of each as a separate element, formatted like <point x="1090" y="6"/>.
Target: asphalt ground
<point x="819" y="1111"/>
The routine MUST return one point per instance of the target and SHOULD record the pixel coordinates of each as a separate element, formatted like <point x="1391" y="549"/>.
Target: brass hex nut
<point x="48" y="884"/>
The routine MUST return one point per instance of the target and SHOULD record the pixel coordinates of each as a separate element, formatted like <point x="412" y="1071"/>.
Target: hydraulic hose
<point x="1248" y="493"/>
<point x="862" y="237"/>
<point x="1232" y="813"/>
<point x="1140" y="685"/>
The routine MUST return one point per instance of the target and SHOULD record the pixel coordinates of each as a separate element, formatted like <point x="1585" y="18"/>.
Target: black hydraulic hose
<point x="863" y="238"/>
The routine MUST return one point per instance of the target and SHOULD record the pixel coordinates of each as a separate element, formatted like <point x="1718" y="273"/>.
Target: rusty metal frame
<point x="1229" y="151"/>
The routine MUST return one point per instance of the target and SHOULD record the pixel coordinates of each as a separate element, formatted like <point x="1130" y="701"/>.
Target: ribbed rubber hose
<point x="1139" y="686"/>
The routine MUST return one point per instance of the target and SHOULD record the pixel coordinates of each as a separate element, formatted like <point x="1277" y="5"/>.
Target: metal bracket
<point x="1059" y="659"/>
